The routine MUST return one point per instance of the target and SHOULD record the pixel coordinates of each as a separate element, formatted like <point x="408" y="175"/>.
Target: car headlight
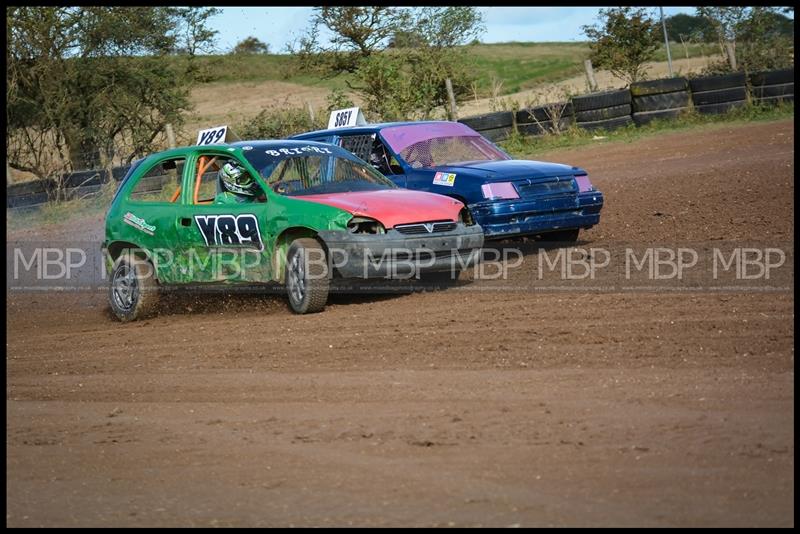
<point x="365" y="225"/>
<point x="465" y="216"/>
<point x="499" y="191"/>
<point x="584" y="184"/>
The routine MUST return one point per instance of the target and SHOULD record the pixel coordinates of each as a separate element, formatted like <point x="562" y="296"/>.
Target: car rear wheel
<point x="307" y="280"/>
<point x="133" y="290"/>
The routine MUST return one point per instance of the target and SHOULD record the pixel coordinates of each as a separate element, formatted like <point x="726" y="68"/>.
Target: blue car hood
<point x="510" y="169"/>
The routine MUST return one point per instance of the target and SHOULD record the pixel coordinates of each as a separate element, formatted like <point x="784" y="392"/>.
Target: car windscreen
<point x="323" y="170"/>
<point x="426" y="145"/>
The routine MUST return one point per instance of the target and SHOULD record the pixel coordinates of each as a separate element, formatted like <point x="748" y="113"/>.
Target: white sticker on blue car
<point x="444" y="178"/>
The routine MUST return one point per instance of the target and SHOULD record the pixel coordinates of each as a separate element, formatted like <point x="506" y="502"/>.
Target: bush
<point x="279" y="123"/>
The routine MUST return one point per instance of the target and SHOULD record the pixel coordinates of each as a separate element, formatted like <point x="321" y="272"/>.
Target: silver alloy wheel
<point x="125" y="287"/>
<point x="297" y="278"/>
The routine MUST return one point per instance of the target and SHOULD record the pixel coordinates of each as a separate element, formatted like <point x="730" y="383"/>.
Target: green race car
<point x="295" y="212"/>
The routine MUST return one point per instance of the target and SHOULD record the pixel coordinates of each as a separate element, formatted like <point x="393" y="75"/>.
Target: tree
<point x="399" y="57"/>
<point x="690" y="27"/>
<point x="752" y="38"/>
<point x="447" y="27"/>
<point x="192" y="35"/>
<point x="88" y="84"/>
<point x="251" y="45"/>
<point x="357" y="32"/>
<point x="624" y="41"/>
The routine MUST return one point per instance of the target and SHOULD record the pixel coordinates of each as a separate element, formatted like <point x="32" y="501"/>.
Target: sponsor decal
<point x="139" y="223"/>
<point x="444" y="178"/>
<point x="224" y="230"/>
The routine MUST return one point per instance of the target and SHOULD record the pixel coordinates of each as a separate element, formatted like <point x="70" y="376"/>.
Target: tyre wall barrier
<point x="772" y="87"/>
<point x="643" y="102"/>
<point x="549" y="118"/>
<point x="606" y="110"/>
<point x="719" y="94"/>
<point x="79" y="184"/>
<point x="659" y="99"/>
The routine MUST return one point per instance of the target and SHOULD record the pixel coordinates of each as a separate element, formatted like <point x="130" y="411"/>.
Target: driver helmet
<point x="235" y="179"/>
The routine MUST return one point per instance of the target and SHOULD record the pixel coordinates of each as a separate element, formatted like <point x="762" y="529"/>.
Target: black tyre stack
<point x="545" y="119"/>
<point x="603" y="111"/>
<point x="719" y="94"/>
<point x="493" y="126"/>
<point x="659" y="99"/>
<point x="772" y="87"/>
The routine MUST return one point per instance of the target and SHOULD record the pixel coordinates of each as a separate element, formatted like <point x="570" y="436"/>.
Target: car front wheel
<point x="307" y="280"/>
<point x="133" y="289"/>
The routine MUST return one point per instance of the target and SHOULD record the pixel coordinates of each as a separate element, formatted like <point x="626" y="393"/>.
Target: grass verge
<point x="518" y="145"/>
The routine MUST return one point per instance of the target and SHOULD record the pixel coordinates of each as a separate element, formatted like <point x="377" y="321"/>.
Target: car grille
<point x="555" y="187"/>
<point x="425" y="228"/>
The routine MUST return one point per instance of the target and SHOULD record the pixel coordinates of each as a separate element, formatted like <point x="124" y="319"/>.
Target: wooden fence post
<point x="730" y="48"/>
<point x="590" y="75"/>
<point x="170" y="136"/>
<point x="453" y="110"/>
<point x="310" y="111"/>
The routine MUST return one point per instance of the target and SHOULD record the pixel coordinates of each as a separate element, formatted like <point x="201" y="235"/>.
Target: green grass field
<point x="518" y="65"/>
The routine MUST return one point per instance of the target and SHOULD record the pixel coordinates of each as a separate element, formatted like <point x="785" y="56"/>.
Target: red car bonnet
<point x="393" y="206"/>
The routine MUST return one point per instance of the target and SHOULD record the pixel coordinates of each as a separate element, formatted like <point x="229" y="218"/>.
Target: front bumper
<point x="507" y="218"/>
<point x="396" y="255"/>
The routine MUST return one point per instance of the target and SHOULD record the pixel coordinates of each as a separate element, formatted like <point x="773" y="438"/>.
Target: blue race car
<point x="507" y="197"/>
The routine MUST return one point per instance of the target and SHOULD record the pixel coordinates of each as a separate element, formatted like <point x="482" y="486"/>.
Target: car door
<point x="148" y="213"/>
<point x="220" y="241"/>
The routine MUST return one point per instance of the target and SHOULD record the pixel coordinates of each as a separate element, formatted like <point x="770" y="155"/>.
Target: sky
<point x="278" y="25"/>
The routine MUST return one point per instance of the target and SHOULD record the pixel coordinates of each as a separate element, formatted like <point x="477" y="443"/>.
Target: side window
<point x="360" y="145"/>
<point x="162" y="183"/>
<point x="382" y="160"/>
<point x="296" y="174"/>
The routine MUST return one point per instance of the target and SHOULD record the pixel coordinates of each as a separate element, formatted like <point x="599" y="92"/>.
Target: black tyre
<point x="603" y="113"/>
<point x="719" y="96"/>
<point x="307" y="276"/>
<point x="645" y="117"/>
<point x="767" y="91"/>
<point x="496" y="134"/>
<point x="608" y="125"/>
<point x="605" y="99"/>
<point x="772" y="77"/>
<point x="489" y="121"/>
<point x="133" y="291"/>
<point x="724" y="107"/>
<point x="714" y="83"/>
<point x="679" y="99"/>
<point x="654" y="87"/>
<point x="545" y="113"/>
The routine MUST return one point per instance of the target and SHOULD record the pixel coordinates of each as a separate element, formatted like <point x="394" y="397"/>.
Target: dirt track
<point x="460" y="407"/>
